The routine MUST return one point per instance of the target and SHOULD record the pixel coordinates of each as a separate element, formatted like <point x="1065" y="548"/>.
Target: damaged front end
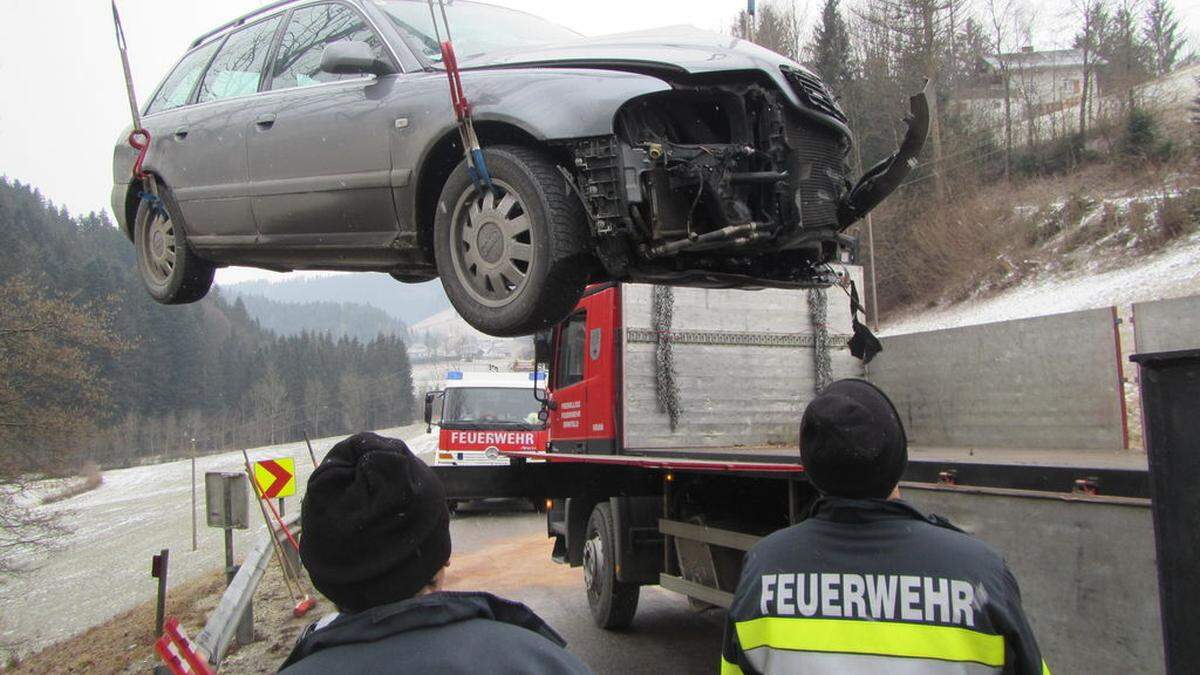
<point x="727" y="183"/>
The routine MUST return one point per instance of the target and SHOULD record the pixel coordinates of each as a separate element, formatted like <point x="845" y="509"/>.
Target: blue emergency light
<point x="537" y="375"/>
<point x="454" y="375"/>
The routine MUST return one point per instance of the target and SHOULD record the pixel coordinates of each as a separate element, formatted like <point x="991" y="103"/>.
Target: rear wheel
<point x="513" y="260"/>
<point x="171" y="273"/>
<point x="613" y="603"/>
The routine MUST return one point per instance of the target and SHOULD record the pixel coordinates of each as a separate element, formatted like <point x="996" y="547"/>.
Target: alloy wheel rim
<point x="159" y="248"/>
<point x="491" y="239"/>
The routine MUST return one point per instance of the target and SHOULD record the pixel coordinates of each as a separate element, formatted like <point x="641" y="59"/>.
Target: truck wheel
<point x="516" y="259"/>
<point x="613" y="603"/>
<point x="171" y="273"/>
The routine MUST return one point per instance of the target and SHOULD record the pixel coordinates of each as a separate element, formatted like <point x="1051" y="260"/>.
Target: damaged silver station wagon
<point x="320" y="135"/>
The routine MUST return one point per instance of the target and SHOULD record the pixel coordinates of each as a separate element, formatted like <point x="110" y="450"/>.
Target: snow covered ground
<point x="1171" y="273"/>
<point x="103" y="567"/>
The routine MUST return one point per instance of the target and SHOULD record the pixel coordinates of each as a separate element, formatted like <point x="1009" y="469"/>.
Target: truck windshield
<point x="476" y="28"/>
<point x="491" y="407"/>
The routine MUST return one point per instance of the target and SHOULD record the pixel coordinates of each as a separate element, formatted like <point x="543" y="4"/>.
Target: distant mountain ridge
<point x="341" y="319"/>
<point x="410" y="303"/>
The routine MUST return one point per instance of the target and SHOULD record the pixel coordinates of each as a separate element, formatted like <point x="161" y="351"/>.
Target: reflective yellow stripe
<point x="728" y="668"/>
<point x="886" y="638"/>
<point x="1045" y="668"/>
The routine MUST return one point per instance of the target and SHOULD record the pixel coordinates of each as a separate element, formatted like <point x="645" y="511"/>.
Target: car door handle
<point x="265" y="121"/>
<point x="181" y="133"/>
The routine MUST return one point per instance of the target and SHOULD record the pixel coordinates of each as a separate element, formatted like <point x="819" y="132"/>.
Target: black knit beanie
<point x="852" y="442"/>
<point x="374" y="524"/>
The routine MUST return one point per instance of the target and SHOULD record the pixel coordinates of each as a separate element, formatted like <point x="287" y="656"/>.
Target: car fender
<point x="548" y="104"/>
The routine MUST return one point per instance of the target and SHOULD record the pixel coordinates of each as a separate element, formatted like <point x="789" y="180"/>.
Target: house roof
<point x="1054" y="58"/>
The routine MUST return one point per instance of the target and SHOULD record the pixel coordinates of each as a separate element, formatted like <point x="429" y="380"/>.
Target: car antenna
<point x="139" y="138"/>
<point x="476" y="166"/>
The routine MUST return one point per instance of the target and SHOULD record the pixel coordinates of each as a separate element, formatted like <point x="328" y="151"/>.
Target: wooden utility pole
<point x="193" y="494"/>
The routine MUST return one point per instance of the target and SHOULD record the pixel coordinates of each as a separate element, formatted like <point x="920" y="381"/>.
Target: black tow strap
<point x="863" y="344"/>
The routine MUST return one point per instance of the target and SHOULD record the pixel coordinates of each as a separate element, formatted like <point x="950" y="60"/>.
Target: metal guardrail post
<point x="219" y="632"/>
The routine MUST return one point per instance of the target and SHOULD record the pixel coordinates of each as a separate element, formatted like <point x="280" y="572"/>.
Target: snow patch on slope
<point x="1174" y="272"/>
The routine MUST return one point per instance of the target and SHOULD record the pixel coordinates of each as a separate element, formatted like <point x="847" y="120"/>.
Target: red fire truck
<point x="484" y="415"/>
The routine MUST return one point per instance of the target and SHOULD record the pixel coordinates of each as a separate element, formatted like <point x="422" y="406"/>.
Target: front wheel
<point x="515" y="259"/>
<point x="171" y="273"/>
<point x="612" y="602"/>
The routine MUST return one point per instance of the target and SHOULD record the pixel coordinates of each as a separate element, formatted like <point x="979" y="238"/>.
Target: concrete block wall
<point x="1167" y="325"/>
<point x="1046" y="382"/>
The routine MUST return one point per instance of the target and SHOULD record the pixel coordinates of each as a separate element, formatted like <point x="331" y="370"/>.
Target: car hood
<point x="664" y="52"/>
<point x="678" y="48"/>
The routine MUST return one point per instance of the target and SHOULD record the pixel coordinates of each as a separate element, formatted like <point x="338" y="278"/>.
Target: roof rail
<point x="239" y="21"/>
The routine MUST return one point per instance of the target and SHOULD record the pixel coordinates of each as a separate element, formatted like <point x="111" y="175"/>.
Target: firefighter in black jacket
<point x="376" y="541"/>
<point x="867" y="583"/>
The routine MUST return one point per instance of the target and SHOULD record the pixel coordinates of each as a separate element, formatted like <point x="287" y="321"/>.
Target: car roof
<point x="240" y="21"/>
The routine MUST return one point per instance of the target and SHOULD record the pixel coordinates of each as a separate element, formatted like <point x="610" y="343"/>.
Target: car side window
<point x="310" y="30"/>
<point x="570" y="356"/>
<point x="237" y="68"/>
<point x="177" y="88"/>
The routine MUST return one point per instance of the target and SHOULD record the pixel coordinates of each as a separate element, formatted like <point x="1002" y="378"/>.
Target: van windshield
<point x="491" y="407"/>
<point x="476" y="28"/>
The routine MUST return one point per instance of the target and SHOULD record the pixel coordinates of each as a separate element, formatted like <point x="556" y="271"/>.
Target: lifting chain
<point x="666" y="391"/>
<point x="818" y="316"/>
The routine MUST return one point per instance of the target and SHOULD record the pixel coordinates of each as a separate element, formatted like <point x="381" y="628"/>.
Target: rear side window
<point x="177" y="88"/>
<point x="310" y="30"/>
<point x="570" y="356"/>
<point x="238" y="67"/>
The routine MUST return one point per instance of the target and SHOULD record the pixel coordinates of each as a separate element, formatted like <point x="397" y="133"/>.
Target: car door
<point x="319" y="149"/>
<point x="570" y="426"/>
<point x="208" y="145"/>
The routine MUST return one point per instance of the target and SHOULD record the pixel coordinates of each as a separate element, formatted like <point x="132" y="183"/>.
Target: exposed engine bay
<point x="730" y="184"/>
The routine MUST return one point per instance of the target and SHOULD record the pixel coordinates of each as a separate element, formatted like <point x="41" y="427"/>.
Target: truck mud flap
<point x="883" y="178"/>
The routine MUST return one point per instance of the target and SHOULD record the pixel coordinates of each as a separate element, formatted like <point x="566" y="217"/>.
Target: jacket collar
<point x="847" y="510"/>
<point x="427" y="611"/>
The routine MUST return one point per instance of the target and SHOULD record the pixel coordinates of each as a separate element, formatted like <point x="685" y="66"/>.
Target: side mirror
<point x="353" y="58"/>
<point x="430" y="397"/>
<point x="543" y="346"/>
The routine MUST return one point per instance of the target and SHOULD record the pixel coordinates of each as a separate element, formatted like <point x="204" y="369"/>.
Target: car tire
<point x="516" y="260"/>
<point x="612" y="602"/>
<point x="170" y="271"/>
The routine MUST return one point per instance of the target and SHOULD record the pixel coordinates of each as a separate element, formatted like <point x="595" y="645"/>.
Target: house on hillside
<point x="1045" y="89"/>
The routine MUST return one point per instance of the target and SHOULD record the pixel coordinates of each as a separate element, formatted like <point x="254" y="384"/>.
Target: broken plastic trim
<point x="883" y="178"/>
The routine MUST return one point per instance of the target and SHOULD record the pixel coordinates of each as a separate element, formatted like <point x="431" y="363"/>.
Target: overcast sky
<point x="62" y="96"/>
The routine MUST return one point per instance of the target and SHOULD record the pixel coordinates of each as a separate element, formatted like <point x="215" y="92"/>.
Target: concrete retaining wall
<point x="1167" y="325"/>
<point x="1045" y="382"/>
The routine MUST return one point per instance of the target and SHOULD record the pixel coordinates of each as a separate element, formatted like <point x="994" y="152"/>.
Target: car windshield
<point x="476" y="28"/>
<point x="491" y="406"/>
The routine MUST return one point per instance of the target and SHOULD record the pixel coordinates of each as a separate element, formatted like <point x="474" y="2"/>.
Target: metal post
<point x="312" y="455"/>
<point x="874" y="293"/>
<point x="1170" y="387"/>
<point x="158" y="568"/>
<point x="245" y="629"/>
<point x="281" y="507"/>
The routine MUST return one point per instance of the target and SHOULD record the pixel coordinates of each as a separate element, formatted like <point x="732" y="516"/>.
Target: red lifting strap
<point x="457" y="98"/>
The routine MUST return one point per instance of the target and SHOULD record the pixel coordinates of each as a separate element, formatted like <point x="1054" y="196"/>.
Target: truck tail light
<point x="445" y="455"/>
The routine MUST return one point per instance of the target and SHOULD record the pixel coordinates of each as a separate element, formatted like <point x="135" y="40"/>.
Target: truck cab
<point x="483" y="415"/>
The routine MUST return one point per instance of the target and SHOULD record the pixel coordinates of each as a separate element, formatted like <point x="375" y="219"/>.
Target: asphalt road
<point x="507" y="553"/>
